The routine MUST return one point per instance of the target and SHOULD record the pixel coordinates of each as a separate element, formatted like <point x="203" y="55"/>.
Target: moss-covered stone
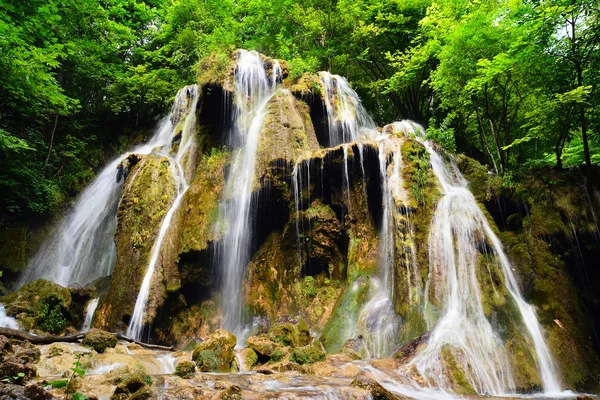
<point x="148" y="193"/>
<point x="43" y="305"/>
<point x="455" y="373"/>
<point x="308" y="354"/>
<point x="185" y="369"/>
<point x="249" y="358"/>
<point x="133" y="387"/>
<point x="263" y="345"/>
<point x="215" y="354"/>
<point x="99" y="340"/>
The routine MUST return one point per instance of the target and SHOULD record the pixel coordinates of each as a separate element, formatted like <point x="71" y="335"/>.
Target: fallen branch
<point x="47" y="339"/>
<point x="146" y="345"/>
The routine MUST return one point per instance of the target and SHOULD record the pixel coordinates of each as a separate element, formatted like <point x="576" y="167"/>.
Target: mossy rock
<point x="263" y="345"/>
<point x="308" y="354"/>
<point x="99" y="340"/>
<point x="216" y="353"/>
<point x="285" y="334"/>
<point x="144" y="203"/>
<point x="133" y="387"/>
<point x="185" y="369"/>
<point x="249" y="358"/>
<point x="365" y="381"/>
<point x="41" y="305"/>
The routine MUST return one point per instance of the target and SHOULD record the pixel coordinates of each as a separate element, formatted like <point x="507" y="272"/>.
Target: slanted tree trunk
<point x="50" y="145"/>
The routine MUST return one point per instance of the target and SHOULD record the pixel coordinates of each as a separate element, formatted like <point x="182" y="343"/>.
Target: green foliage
<point x="13" y="379"/>
<point x="76" y="369"/>
<point x="277" y="355"/>
<point x="51" y="315"/>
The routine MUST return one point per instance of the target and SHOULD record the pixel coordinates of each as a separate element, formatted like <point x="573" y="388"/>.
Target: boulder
<point x="99" y="340"/>
<point x="309" y="354"/>
<point x="262" y="345"/>
<point x="364" y="380"/>
<point x="185" y="369"/>
<point x="133" y="387"/>
<point x="249" y="358"/>
<point x="216" y="353"/>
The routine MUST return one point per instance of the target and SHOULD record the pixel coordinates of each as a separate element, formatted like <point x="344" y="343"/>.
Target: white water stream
<point x="463" y="329"/>
<point x="136" y="324"/>
<point x="253" y="89"/>
<point x="82" y="248"/>
<point x="346" y="116"/>
<point x="89" y="314"/>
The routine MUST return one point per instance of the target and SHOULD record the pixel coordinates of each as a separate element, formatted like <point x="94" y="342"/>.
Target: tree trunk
<point x="50" y="145"/>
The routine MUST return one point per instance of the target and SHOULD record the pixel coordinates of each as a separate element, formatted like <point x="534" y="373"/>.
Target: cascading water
<point x="346" y="116"/>
<point x="89" y="314"/>
<point x="191" y="94"/>
<point x="463" y="329"/>
<point x="7" y="321"/>
<point x="378" y="323"/>
<point x="253" y="89"/>
<point x="82" y="249"/>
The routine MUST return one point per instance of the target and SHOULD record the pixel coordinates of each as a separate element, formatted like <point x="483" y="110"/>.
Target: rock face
<point x="216" y="354"/>
<point x="148" y="193"/>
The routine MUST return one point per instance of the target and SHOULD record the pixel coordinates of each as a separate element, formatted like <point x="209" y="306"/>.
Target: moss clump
<point x="216" y="353"/>
<point x="262" y="345"/>
<point x="99" y="340"/>
<point x="51" y="315"/>
<point x="249" y="358"/>
<point x="185" y="369"/>
<point x="308" y="354"/>
<point x="277" y="355"/>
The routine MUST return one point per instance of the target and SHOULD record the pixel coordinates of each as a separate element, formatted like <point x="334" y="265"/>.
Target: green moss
<point x="345" y="314"/>
<point x="201" y="202"/>
<point x="215" y="354"/>
<point x="308" y="354"/>
<point x="285" y="334"/>
<point x="147" y="195"/>
<point x="99" y="340"/>
<point x="277" y="355"/>
<point x="43" y="305"/>
<point x="460" y="383"/>
<point x="51" y="315"/>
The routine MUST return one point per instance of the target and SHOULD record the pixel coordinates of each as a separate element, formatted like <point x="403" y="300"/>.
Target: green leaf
<point x="79" y="371"/>
<point x="59" y="384"/>
<point x="79" y="396"/>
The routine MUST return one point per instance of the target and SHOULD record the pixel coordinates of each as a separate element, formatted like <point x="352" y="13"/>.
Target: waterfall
<point x="346" y="116"/>
<point x="463" y="329"/>
<point x="378" y="323"/>
<point x="253" y="89"/>
<point x="7" y="321"/>
<point x="136" y="325"/>
<point x="89" y="315"/>
<point x="81" y="249"/>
